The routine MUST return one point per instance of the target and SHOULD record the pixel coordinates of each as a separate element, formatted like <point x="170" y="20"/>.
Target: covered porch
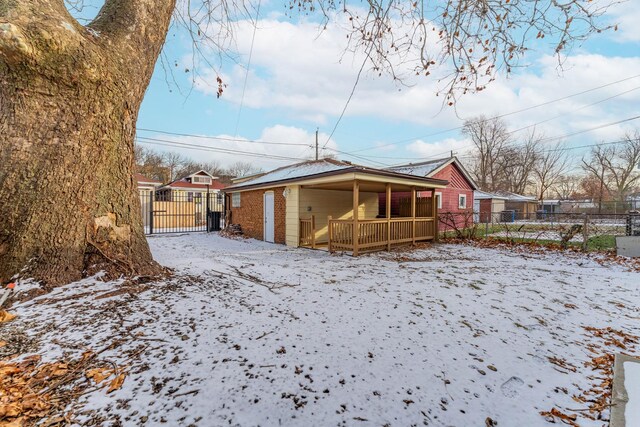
<point x="344" y="215"/>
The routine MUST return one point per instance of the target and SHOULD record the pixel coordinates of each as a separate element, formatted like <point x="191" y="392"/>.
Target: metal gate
<point x="182" y="211"/>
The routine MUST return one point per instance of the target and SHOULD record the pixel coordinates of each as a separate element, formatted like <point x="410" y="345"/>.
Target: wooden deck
<point x="378" y="234"/>
<point x="357" y="235"/>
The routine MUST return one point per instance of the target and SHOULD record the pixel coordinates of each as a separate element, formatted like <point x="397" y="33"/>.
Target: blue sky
<point x="299" y="81"/>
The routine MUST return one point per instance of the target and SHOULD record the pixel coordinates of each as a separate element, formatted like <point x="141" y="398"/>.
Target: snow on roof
<point x="421" y="169"/>
<point x="298" y="170"/>
<point x="502" y="195"/>
<point x="483" y="195"/>
<point x="513" y="197"/>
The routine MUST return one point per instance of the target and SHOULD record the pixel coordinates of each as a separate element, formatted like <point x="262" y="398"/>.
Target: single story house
<point x="505" y="206"/>
<point x="146" y="185"/>
<point x="190" y="188"/>
<point x="550" y="206"/>
<point x="332" y="204"/>
<point x="457" y="198"/>
<point x="489" y="206"/>
<point x="524" y="207"/>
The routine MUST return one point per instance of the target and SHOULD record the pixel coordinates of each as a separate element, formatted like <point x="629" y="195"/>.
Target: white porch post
<point x="356" y="204"/>
<point x="388" y="212"/>
<point x="413" y="215"/>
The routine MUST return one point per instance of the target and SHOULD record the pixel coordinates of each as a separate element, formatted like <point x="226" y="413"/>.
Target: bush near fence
<point x="588" y="231"/>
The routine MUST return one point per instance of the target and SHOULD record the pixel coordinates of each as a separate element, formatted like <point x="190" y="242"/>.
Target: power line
<point x="155" y="141"/>
<point x="553" y="138"/>
<point x="220" y="138"/>
<point x="353" y="90"/>
<point x="404" y="141"/>
<point x="246" y="76"/>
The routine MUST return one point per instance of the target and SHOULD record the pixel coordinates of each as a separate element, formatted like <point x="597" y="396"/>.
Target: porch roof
<point x="336" y="175"/>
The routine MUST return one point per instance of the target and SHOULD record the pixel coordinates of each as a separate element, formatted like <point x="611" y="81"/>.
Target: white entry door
<point x="268" y="217"/>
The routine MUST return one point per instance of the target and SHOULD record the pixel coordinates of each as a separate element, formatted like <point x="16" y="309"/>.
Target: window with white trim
<point x="201" y="180"/>
<point x="235" y="200"/>
<point x="462" y="201"/>
<point x="439" y="199"/>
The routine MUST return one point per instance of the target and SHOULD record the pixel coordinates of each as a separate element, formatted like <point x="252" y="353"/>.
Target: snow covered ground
<point x="249" y="333"/>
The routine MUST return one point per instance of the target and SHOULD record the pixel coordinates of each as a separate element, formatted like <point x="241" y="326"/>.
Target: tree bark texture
<point x="69" y="100"/>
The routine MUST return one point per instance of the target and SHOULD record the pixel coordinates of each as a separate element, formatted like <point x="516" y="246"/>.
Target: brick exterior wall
<point x="250" y="214"/>
<point x="458" y="185"/>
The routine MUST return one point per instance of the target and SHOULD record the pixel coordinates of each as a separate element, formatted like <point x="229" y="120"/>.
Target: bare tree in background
<point x="567" y="187"/>
<point x="490" y="138"/>
<point x="239" y="169"/>
<point x="549" y="169"/>
<point x="622" y="166"/>
<point x="596" y="168"/>
<point x="70" y="95"/>
<point x="518" y="162"/>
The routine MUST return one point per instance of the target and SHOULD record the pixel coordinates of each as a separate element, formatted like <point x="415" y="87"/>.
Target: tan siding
<point x="338" y="204"/>
<point x="293" y="216"/>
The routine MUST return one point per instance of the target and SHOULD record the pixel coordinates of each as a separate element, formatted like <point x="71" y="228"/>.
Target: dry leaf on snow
<point x="99" y="374"/>
<point x="117" y="382"/>
<point x="5" y="316"/>
<point x="10" y="410"/>
<point x="16" y="422"/>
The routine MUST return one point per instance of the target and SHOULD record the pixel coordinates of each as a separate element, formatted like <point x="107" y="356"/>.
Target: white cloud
<point x="626" y="17"/>
<point x="304" y="75"/>
<point x="438" y="149"/>
<point x="299" y="72"/>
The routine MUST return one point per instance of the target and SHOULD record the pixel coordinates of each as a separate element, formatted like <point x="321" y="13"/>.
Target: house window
<point x="190" y="196"/>
<point x="201" y="180"/>
<point x="462" y="201"/>
<point x="235" y="200"/>
<point x="439" y="199"/>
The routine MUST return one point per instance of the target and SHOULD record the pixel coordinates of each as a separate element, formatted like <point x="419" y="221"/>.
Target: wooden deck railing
<point x="308" y="232"/>
<point x="378" y="234"/>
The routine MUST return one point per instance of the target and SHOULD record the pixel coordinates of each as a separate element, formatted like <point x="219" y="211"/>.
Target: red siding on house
<point x="458" y="185"/>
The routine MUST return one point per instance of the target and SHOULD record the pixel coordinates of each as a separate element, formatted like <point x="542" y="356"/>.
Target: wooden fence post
<point x="585" y="233"/>
<point x="313" y="231"/>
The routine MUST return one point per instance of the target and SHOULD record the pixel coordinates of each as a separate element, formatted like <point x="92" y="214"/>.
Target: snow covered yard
<point x="248" y="333"/>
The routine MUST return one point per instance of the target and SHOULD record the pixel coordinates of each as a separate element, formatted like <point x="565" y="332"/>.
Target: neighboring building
<point x="489" y="206"/>
<point x="550" y="206"/>
<point x="510" y="206"/>
<point x="191" y="188"/>
<point x="457" y="198"/>
<point x="329" y="203"/>
<point x="146" y="185"/>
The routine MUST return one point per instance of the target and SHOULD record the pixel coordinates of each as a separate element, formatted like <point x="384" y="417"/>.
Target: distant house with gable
<point x="190" y="188"/>
<point x="457" y="198"/>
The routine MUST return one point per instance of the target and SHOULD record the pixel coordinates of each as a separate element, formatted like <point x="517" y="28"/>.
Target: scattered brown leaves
<point x="598" y="397"/>
<point x="562" y="363"/>
<point x="5" y="316"/>
<point x="556" y="413"/>
<point x="32" y="391"/>
<point x="117" y="382"/>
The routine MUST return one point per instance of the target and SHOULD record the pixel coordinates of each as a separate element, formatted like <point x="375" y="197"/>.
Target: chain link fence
<point x="589" y="231"/>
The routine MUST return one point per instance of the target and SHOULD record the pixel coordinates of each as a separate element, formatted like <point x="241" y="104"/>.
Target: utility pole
<point x="317" y="143"/>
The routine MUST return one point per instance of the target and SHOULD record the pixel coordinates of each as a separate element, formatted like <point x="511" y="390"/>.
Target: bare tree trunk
<point x="69" y="100"/>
